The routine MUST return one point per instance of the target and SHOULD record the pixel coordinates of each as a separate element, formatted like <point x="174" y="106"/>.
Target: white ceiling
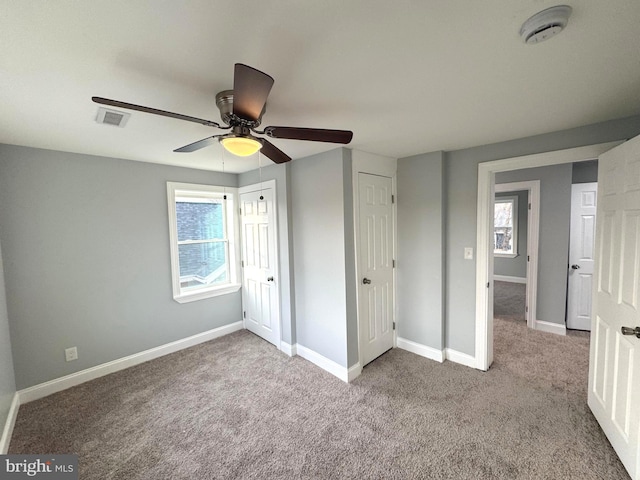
<point x="407" y="76"/>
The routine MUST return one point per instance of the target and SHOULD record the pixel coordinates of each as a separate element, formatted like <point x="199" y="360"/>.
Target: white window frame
<point x="513" y="199"/>
<point x="181" y="190"/>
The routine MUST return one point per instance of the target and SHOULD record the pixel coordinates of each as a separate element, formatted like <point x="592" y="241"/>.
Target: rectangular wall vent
<point x="112" y="117"/>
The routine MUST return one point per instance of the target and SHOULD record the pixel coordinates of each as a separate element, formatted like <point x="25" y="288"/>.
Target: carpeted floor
<point x="509" y="299"/>
<point x="236" y="408"/>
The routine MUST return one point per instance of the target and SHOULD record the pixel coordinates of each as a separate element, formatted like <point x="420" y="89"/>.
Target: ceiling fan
<point x="241" y="109"/>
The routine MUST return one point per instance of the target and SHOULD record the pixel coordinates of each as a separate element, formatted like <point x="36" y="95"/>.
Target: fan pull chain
<point x="224" y="187"/>
<point x="260" y="173"/>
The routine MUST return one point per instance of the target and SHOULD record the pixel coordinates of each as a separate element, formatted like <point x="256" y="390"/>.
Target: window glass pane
<point x="503" y="227"/>
<point x="203" y="264"/>
<point x="200" y="219"/>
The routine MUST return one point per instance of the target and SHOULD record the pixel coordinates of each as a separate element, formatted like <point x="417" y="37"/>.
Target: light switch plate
<point x="468" y="253"/>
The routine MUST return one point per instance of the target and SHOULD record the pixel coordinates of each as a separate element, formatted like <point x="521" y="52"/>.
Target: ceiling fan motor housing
<point x="224" y="102"/>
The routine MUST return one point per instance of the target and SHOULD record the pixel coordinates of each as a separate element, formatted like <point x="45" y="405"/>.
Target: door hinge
<point x="244" y="314"/>
<point x="393" y="263"/>
<point x="240" y="211"/>
<point x="393" y="199"/>
<point x="394" y="325"/>
<point x="528" y="258"/>
<point x="242" y="263"/>
<point x="487" y="284"/>
<point x="529" y="206"/>
<point x="526" y="309"/>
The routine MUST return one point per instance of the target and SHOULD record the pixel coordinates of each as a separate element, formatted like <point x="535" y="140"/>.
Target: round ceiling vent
<point x="545" y="24"/>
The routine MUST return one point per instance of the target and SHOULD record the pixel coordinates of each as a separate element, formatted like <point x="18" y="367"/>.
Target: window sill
<point x="505" y="255"/>
<point x="208" y="293"/>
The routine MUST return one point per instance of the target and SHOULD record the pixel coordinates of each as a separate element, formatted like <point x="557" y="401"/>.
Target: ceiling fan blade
<point x="155" y="111"/>
<point x="251" y="88"/>
<point x="311" y="134"/>
<point x="192" y="147"/>
<point x="273" y="152"/>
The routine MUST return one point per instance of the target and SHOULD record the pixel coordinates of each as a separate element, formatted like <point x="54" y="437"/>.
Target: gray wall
<point x="281" y="174"/>
<point x="553" y="245"/>
<point x="86" y="258"/>
<point x="517" y="266"/>
<point x="585" y="172"/>
<point x="350" y="260"/>
<point x="319" y="236"/>
<point x="7" y="379"/>
<point x="420" y="268"/>
<point x="461" y="186"/>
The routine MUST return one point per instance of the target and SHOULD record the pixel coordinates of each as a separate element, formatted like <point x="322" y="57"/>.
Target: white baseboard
<point x="323" y="362"/>
<point x="7" y="431"/>
<point x="47" y="388"/>
<point x="507" y="278"/>
<point x="354" y="372"/>
<point x="422" y="350"/>
<point x="288" y="349"/>
<point x="549" y="327"/>
<point x="461" y="358"/>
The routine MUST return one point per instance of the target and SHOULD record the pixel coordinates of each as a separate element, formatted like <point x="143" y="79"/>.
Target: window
<point x="202" y="233"/>
<point x="505" y="227"/>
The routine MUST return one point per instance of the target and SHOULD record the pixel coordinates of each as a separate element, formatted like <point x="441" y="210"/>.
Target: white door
<point x="260" y="296"/>
<point x="376" y="265"/>
<point x="581" y="250"/>
<point x="614" y="360"/>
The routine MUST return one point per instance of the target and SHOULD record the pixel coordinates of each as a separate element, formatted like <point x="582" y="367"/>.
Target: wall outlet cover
<point x="71" y="354"/>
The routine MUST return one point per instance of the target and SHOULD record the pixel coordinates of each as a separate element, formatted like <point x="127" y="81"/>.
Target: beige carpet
<point x="235" y="408"/>
<point x="509" y="299"/>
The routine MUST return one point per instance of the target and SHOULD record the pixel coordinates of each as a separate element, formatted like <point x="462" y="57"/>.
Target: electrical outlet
<point x="71" y="354"/>
<point x="468" y="253"/>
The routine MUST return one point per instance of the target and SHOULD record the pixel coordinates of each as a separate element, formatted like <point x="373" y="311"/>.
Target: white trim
<point x="232" y="234"/>
<point x="7" y="431"/>
<point x="323" y="362"/>
<point x="374" y="164"/>
<point x="201" y="294"/>
<point x="422" y="350"/>
<point x="484" y="265"/>
<point x="288" y="349"/>
<point x="354" y="372"/>
<point x="507" y="278"/>
<point x="459" y="357"/>
<point x="549" y="327"/>
<point x="47" y="388"/>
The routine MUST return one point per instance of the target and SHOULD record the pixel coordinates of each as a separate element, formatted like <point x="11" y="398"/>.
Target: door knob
<point x="575" y="267"/>
<point x="269" y="279"/>
<point x="631" y="331"/>
<point x="366" y="281"/>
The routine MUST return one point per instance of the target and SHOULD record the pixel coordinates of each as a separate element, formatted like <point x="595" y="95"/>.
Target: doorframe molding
<point x="532" y="187"/>
<point x="484" y="263"/>
<point x="373" y="164"/>
<point x="256" y="187"/>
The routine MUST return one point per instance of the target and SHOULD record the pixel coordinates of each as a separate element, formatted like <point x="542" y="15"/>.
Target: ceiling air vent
<point x="112" y="117"/>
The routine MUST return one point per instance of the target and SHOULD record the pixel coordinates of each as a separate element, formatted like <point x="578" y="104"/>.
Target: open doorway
<point x="487" y="173"/>
<point x="515" y="250"/>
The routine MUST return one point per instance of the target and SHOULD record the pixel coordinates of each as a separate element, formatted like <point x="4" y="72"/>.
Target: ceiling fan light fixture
<point x="241" y="146"/>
